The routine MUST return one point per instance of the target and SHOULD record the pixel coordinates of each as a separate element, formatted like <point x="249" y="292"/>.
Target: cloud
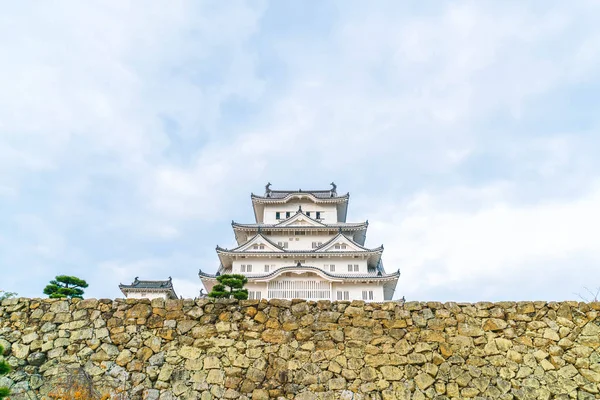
<point x="500" y="245"/>
<point x="129" y="137"/>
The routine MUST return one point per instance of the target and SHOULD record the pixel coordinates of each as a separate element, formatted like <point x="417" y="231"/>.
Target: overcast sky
<point x="467" y="133"/>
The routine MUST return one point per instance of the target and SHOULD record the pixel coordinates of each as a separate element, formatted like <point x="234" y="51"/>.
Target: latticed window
<point x="252" y="295"/>
<point x="343" y="295"/>
<point x="288" y="289"/>
<point x="367" y="295"/>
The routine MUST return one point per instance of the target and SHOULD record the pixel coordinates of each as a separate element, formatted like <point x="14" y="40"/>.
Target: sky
<point x="466" y="132"/>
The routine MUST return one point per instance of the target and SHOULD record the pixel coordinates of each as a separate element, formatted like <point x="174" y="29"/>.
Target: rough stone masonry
<point x="207" y="349"/>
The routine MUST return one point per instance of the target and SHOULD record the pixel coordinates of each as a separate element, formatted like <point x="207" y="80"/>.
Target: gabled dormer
<point x="341" y="243"/>
<point x="300" y="219"/>
<point x="258" y="243"/>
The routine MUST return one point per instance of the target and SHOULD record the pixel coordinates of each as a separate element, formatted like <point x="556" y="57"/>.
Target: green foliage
<point x="4" y="369"/>
<point x="65" y="286"/>
<point x="230" y="286"/>
<point x="6" y="295"/>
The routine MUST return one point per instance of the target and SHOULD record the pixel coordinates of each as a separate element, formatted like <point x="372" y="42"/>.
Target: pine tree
<point x="4" y="369"/>
<point x="65" y="286"/>
<point x="6" y="295"/>
<point x="230" y="286"/>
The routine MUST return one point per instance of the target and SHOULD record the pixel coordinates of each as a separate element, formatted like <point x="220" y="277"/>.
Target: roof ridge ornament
<point x="333" y="189"/>
<point x="300" y="208"/>
<point x="268" y="189"/>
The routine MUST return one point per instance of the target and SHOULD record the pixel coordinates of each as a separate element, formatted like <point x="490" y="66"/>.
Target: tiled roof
<point x="362" y="248"/>
<point x="150" y="286"/>
<point x="282" y="194"/>
<point x="288" y="251"/>
<point x="375" y="275"/>
<point x="343" y="225"/>
<point x="137" y="284"/>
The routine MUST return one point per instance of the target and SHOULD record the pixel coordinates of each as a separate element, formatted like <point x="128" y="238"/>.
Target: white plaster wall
<point x="300" y="242"/>
<point x="328" y="211"/>
<point x="341" y="264"/>
<point x="355" y="289"/>
<point x="148" y="295"/>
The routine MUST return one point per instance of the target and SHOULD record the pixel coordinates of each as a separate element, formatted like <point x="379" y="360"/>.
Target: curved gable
<point x="258" y="243"/>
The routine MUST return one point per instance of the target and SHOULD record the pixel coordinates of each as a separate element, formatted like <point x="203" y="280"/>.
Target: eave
<point x="307" y="268"/>
<point x="258" y="203"/>
<point x="128" y="289"/>
<point x="226" y="257"/>
<point x="358" y="230"/>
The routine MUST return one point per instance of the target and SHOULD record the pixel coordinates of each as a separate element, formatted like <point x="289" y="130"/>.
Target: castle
<point x="301" y="247"/>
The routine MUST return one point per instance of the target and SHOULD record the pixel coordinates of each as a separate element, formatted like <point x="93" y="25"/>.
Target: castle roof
<point x="315" y="196"/>
<point x="302" y="222"/>
<point x="298" y="268"/>
<point x="323" y="248"/>
<point x="150" y="286"/>
<point x="271" y="249"/>
<point x="358" y="231"/>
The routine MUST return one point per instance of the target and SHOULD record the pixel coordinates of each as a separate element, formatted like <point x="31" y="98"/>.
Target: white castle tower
<point x="301" y="247"/>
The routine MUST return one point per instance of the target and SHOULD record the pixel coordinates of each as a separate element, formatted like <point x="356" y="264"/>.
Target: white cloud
<point x="118" y="138"/>
<point x="437" y="247"/>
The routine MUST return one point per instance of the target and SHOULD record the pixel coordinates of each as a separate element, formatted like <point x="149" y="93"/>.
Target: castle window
<point x="343" y="247"/>
<point x="337" y="247"/>
<point x="266" y="268"/>
<point x="318" y="215"/>
<point x="332" y="267"/>
<point x="355" y="267"/>
<point x="243" y="267"/>
<point x="255" y="247"/>
<point x="262" y="247"/>
<point x="277" y="215"/>
<point x="367" y="295"/>
<point x="343" y="295"/>
<point x="249" y="268"/>
<point x="349" y="267"/>
<point x="288" y="214"/>
<point x="308" y="213"/>
<point x="252" y="295"/>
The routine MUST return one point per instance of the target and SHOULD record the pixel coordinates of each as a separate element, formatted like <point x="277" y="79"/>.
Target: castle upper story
<point x="275" y="206"/>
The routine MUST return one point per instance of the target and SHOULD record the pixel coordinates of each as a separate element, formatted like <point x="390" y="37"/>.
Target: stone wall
<point x="306" y="350"/>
